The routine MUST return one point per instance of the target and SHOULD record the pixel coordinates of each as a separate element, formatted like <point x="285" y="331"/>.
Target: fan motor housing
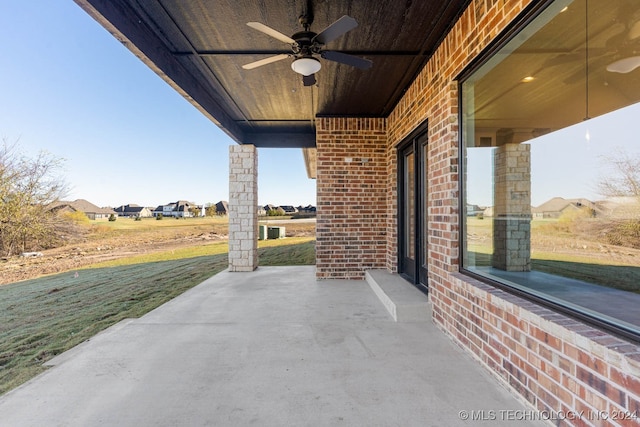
<point x="304" y="43"/>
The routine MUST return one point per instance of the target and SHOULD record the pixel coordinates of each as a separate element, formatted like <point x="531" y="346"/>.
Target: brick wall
<point x="558" y="364"/>
<point x="351" y="190"/>
<point x="554" y="362"/>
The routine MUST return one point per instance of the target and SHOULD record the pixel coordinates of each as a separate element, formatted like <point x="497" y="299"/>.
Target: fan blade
<point x="309" y="80"/>
<point x="343" y="58"/>
<point x="265" y="61"/>
<point x="563" y="59"/>
<point x="271" y="32"/>
<point x="335" y="30"/>
<point x="634" y="31"/>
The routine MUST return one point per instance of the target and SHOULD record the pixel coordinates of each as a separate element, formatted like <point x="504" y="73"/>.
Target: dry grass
<point x="125" y="238"/>
<point x="575" y="249"/>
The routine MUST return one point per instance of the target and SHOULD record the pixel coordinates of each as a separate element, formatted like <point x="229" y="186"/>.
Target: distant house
<point x="555" y="207"/>
<point x="288" y="209"/>
<point x="134" y="211"/>
<point x="309" y="209"/>
<point x="81" y="205"/>
<point x="474" y="210"/>
<point x="179" y="209"/>
<point x="222" y="208"/>
<point x="620" y="207"/>
<point x="261" y="211"/>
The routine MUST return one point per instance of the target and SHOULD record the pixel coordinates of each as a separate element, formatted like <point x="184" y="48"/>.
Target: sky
<point x="71" y="89"/>
<point x="567" y="163"/>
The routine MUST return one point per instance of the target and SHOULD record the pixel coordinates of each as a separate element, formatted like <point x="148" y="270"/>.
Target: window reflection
<point x="552" y="160"/>
<point x="409" y="197"/>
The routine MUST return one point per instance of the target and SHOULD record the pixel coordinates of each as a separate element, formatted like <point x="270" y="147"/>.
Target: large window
<point x="551" y="161"/>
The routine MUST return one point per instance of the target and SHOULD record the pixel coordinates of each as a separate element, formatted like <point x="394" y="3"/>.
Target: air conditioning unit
<point x="276" y="233"/>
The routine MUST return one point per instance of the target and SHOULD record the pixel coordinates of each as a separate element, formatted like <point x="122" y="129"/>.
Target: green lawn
<point x="44" y="317"/>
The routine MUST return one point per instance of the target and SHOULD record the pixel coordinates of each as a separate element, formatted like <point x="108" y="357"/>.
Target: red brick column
<point x="351" y="193"/>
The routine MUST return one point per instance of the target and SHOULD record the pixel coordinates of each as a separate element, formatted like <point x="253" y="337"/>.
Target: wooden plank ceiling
<point x="566" y="60"/>
<point x="199" y="47"/>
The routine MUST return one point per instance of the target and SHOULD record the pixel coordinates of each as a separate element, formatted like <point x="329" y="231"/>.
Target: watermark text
<point x="533" y="415"/>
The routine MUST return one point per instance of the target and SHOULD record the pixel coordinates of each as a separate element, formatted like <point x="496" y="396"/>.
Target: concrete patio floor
<point x="271" y="348"/>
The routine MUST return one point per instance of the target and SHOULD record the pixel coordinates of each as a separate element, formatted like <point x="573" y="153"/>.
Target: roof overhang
<point x="199" y="48"/>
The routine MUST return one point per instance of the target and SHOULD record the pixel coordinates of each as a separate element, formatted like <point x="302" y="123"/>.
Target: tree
<point x="210" y="209"/>
<point x="624" y="177"/>
<point x="623" y="181"/>
<point x="27" y="187"/>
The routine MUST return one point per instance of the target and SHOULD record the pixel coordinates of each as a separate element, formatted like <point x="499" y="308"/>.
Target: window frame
<point x="517" y="25"/>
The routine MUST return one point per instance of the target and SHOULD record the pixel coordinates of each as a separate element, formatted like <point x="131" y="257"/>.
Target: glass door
<point x="412" y="209"/>
<point x="407" y="242"/>
<point x="423" y="211"/>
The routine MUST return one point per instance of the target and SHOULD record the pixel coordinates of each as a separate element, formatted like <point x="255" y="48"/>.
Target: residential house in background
<point x="222" y="207"/>
<point x="437" y="105"/>
<point x="307" y="210"/>
<point x="179" y="209"/>
<point x="620" y="207"/>
<point x="474" y="210"/>
<point x="270" y="207"/>
<point x="557" y="206"/>
<point x="133" y="210"/>
<point x="92" y="211"/>
<point x="289" y="210"/>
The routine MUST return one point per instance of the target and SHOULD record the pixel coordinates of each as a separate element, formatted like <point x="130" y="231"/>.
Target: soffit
<point x="199" y="47"/>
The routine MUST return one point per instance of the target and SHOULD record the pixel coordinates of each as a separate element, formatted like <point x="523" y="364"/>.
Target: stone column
<point x="243" y="208"/>
<point x="512" y="207"/>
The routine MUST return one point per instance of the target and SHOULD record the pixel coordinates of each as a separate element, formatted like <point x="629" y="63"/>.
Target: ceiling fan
<point x="621" y="51"/>
<point x="627" y="58"/>
<point x="307" y="46"/>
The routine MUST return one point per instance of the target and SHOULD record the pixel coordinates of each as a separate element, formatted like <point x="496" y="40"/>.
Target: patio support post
<point x="512" y="203"/>
<point x="243" y="208"/>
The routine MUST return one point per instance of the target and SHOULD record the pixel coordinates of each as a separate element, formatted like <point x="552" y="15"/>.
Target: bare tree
<point x="623" y="179"/>
<point x="27" y="186"/>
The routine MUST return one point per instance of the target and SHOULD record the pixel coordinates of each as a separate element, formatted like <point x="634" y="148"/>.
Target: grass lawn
<point x="123" y="224"/>
<point x="150" y="226"/>
<point x="44" y="317"/>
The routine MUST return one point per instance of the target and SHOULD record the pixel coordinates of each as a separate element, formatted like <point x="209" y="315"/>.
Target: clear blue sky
<point x="70" y="88"/>
<point x="564" y="163"/>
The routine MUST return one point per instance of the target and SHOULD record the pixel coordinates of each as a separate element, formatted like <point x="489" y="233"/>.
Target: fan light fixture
<point x="306" y="66"/>
<point x="625" y="65"/>
<point x="305" y="44"/>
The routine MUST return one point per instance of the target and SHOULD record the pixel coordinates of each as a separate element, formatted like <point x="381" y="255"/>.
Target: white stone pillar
<point x="512" y="207"/>
<point x="243" y="208"/>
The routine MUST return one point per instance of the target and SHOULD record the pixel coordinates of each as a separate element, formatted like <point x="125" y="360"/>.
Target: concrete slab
<point x="273" y="347"/>
<point x="403" y="301"/>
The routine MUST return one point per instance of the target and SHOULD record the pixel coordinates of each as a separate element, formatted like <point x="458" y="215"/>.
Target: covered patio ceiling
<point x="200" y="46"/>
